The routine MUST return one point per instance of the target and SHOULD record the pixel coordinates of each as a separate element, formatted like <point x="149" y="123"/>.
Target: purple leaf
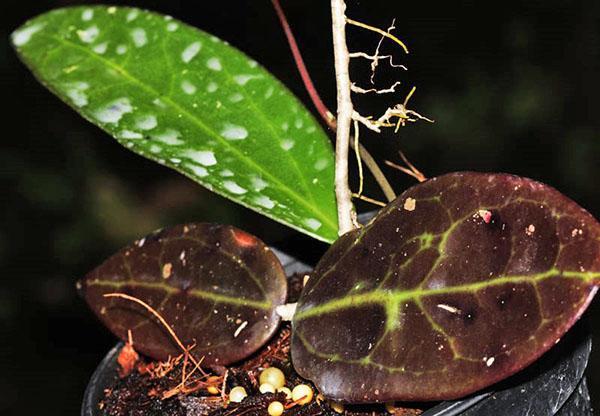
<point x="215" y="285"/>
<point x="460" y="282"/>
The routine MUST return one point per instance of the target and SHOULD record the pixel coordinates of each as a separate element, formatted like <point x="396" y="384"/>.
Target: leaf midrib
<point x="198" y="123"/>
<point x="236" y="301"/>
<point x="382" y="297"/>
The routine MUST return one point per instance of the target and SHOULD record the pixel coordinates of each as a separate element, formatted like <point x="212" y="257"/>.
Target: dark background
<point x="513" y="86"/>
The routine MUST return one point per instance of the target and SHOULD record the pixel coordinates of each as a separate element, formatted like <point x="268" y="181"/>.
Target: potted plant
<point x="456" y="284"/>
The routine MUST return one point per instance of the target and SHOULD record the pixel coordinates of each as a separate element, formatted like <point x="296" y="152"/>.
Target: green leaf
<point x="215" y="285"/>
<point x="458" y="283"/>
<point x="188" y="100"/>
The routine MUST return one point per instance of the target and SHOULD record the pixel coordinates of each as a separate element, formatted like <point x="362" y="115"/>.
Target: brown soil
<point x="156" y="389"/>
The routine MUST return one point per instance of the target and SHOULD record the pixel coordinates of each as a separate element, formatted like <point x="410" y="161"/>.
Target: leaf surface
<point x="188" y="100"/>
<point x="215" y="285"/>
<point x="458" y="283"/>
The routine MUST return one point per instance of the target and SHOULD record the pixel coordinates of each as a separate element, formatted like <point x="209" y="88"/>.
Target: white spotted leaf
<point x="189" y="101"/>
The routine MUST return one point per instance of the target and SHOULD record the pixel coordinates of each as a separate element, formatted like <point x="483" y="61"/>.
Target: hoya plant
<point x="455" y="284"/>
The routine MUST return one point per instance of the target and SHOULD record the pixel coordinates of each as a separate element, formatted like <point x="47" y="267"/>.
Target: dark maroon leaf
<point x="215" y="285"/>
<point x="458" y="283"/>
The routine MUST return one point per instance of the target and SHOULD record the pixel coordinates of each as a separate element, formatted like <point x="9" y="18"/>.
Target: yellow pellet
<point x="302" y="394"/>
<point x="274" y="376"/>
<point x="237" y="394"/>
<point x="275" y="409"/>
<point x="266" y="388"/>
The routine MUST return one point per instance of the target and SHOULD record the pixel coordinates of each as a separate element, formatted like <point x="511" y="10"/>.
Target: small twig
<point x="377" y="30"/>
<point x="184" y="368"/>
<point x="157" y="315"/>
<point x="388" y="192"/>
<point x="344" y="117"/>
<point x="370" y="200"/>
<point x="411" y="170"/>
<point x="181" y="387"/>
<point x="412" y="167"/>
<point x="358" y="159"/>
<point x="294" y="403"/>
<point x="403" y="170"/>
<point x="224" y="385"/>
<point x="196" y="368"/>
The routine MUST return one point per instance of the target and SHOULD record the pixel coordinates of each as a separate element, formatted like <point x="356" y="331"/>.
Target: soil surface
<point x="178" y="388"/>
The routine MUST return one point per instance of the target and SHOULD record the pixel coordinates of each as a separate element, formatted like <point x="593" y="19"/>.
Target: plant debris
<point x="177" y="387"/>
<point x="127" y="358"/>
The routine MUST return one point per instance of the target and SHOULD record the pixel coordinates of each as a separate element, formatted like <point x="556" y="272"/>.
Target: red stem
<point x="324" y="112"/>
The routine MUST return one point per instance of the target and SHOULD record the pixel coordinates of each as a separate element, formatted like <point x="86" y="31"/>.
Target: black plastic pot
<point x="553" y="386"/>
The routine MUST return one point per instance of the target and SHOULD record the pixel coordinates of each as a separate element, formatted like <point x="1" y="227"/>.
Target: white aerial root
<point x="360" y="90"/>
<point x="399" y="111"/>
<point x="395" y="116"/>
<point x="375" y="58"/>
